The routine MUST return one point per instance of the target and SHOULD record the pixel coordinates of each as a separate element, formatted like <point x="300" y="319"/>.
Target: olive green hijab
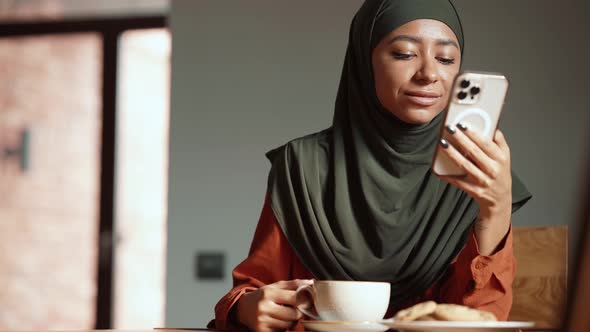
<point x="358" y="201"/>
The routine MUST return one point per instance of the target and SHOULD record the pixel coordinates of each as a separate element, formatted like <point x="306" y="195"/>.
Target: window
<point x="78" y="224"/>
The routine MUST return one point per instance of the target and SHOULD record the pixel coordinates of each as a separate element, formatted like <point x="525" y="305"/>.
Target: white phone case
<point x="476" y="101"/>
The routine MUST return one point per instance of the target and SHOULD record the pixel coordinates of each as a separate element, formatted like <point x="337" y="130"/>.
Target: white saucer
<point x="342" y="326"/>
<point x="444" y="326"/>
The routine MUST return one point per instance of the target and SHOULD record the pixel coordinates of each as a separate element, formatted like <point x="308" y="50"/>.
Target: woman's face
<point x="414" y="67"/>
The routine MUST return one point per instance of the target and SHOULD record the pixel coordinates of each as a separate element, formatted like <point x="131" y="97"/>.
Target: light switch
<point x="210" y="265"/>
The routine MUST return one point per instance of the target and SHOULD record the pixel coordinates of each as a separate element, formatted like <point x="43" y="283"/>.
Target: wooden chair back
<point x="578" y="318"/>
<point x="540" y="286"/>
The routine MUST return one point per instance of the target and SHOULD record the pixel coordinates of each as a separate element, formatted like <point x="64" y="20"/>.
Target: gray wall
<point x="250" y="75"/>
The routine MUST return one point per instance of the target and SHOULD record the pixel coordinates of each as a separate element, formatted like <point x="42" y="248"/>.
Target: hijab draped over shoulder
<point x="358" y="201"/>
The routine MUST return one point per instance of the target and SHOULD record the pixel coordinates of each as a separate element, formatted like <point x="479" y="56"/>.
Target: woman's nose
<point x="427" y="73"/>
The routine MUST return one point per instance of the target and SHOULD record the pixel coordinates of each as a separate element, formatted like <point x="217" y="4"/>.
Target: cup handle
<point x="303" y="294"/>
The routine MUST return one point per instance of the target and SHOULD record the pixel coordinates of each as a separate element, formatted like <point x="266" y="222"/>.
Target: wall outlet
<point x="210" y="265"/>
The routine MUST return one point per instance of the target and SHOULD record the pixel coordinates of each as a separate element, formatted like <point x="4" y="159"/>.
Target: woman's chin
<point x="418" y="116"/>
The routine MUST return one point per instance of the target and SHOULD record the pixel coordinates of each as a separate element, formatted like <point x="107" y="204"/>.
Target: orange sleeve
<point x="270" y="259"/>
<point x="482" y="282"/>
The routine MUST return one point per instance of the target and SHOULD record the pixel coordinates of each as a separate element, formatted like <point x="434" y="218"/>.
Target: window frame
<point x="110" y="29"/>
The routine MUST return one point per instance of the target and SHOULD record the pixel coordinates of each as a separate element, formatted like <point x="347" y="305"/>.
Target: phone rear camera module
<point x="465" y="84"/>
<point x="462" y="95"/>
<point x="474" y="90"/>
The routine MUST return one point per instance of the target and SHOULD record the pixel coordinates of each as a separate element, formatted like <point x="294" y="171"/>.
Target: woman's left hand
<point x="489" y="181"/>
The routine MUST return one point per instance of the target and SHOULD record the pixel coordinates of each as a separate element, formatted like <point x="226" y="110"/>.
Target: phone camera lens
<point x="465" y="84"/>
<point x="474" y="90"/>
<point x="462" y="95"/>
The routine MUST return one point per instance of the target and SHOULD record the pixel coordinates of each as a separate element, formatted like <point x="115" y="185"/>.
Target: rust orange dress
<point x="481" y="282"/>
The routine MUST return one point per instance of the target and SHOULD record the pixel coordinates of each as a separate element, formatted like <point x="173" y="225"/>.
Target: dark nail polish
<point x="462" y="126"/>
<point x="450" y="129"/>
<point x="444" y="143"/>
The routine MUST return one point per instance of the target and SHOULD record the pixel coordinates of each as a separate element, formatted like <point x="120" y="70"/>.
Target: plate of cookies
<point x="342" y="326"/>
<point x="432" y="317"/>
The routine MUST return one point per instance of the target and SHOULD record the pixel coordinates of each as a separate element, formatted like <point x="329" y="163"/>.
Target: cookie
<point x="413" y="312"/>
<point x="455" y="312"/>
<point x="429" y="317"/>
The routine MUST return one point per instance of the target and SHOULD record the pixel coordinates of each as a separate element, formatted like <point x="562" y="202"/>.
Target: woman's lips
<point x="422" y="98"/>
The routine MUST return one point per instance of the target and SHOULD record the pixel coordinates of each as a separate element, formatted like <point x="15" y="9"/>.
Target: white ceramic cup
<point x="352" y="301"/>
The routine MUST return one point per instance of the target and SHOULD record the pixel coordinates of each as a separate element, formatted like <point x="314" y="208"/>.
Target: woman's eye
<point x="402" y="56"/>
<point x="446" y="61"/>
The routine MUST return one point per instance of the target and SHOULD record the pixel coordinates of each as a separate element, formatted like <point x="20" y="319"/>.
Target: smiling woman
<point x="358" y="200"/>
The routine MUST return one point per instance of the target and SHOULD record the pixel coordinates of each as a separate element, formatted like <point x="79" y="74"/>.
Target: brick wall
<point x="49" y="215"/>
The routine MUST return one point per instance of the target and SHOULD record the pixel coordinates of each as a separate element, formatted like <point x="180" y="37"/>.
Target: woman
<point x="358" y="201"/>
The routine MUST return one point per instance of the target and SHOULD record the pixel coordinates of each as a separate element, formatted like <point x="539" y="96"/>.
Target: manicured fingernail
<point x="450" y="129"/>
<point x="462" y="126"/>
<point x="444" y="143"/>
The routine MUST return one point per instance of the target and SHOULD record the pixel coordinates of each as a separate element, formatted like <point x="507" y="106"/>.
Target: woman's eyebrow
<point x="418" y="40"/>
<point x="408" y="38"/>
<point x="446" y="42"/>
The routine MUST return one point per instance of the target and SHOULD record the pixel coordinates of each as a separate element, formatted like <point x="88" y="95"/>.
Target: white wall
<point x="249" y="75"/>
<point x="246" y="77"/>
<point x="543" y="50"/>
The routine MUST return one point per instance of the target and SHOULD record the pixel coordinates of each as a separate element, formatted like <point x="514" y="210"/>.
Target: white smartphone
<point x="476" y="100"/>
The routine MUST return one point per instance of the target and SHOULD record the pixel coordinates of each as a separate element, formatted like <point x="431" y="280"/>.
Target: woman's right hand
<point x="271" y="307"/>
